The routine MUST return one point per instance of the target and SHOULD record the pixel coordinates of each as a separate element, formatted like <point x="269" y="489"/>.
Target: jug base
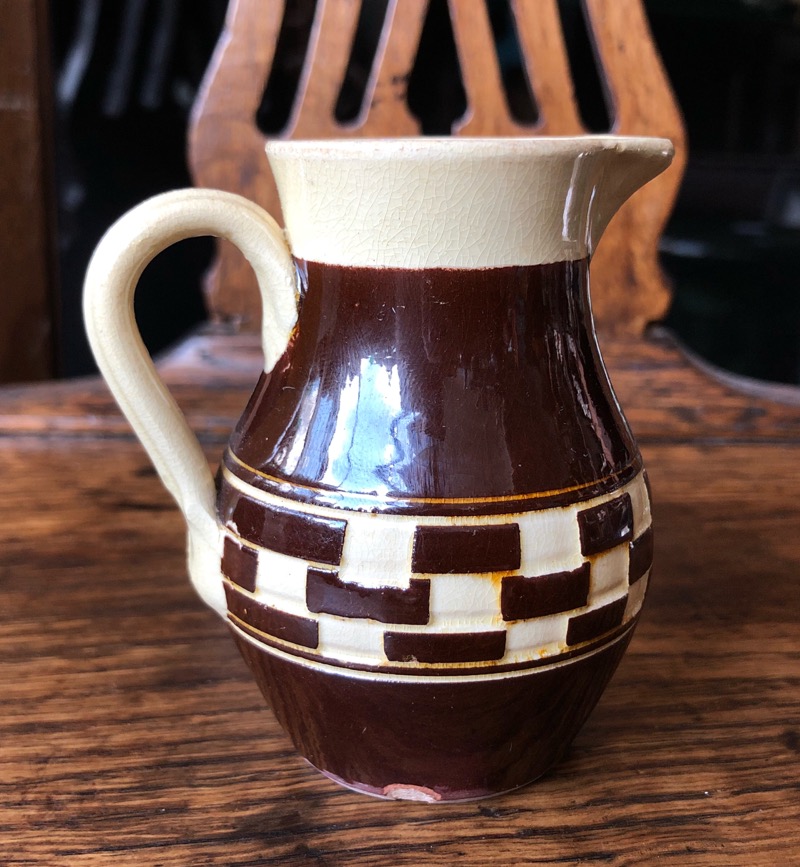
<point x="430" y="740"/>
<point x="421" y="794"/>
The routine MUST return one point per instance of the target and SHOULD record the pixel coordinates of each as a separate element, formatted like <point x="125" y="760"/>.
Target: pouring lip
<point x="417" y="147"/>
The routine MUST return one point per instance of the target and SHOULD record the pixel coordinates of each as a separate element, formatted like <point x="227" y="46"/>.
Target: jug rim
<point x="412" y="147"/>
<point x="457" y="202"/>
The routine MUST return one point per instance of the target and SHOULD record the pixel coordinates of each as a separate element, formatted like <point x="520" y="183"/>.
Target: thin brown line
<point x="442" y="500"/>
<point x="635" y="465"/>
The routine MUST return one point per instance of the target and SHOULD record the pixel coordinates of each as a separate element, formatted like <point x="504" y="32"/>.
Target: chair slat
<point x="226" y="149"/>
<point x="487" y="106"/>
<point x="541" y="41"/>
<point x="386" y="100"/>
<point x="629" y="288"/>
<point x="632" y="69"/>
<point x="329" y="49"/>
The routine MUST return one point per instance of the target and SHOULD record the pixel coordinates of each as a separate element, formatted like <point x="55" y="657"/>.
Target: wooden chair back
<point x="226" y="147"/>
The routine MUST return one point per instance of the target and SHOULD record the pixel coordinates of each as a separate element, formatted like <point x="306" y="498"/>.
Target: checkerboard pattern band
<point x="425" y="594"/>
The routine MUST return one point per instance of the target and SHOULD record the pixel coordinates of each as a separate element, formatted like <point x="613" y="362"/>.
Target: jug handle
<point x="111" y="278"/>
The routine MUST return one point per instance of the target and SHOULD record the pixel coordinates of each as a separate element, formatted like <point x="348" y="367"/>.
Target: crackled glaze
<point x="485" y="203"/>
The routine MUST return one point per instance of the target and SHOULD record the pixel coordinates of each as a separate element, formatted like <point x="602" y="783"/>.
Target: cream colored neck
<point x="457" y="203"/>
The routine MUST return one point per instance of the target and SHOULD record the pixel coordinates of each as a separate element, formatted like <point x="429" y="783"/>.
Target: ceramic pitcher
<point x="430" y="534"/>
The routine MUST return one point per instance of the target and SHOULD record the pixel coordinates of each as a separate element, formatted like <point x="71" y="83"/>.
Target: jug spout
<point x="625" y="166"/>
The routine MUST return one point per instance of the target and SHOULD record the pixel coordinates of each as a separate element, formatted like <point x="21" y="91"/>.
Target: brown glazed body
<point x="440" y="741"/>
<point x="469" y="401"/>
<point x="501" y="387"/>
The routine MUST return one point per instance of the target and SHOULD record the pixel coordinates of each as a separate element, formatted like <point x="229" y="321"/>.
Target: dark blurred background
<point x="127" y="71"/>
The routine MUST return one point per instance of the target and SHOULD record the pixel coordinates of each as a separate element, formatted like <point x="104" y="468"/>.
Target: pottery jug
<point x="430" y="535"/>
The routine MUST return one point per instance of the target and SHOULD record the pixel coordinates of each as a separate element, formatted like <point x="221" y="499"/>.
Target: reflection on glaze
<point x="438" y="383"/>
<point x="368" y="402"/>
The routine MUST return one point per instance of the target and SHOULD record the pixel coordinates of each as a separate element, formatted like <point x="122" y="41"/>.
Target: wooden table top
<point x="130" y="728"/>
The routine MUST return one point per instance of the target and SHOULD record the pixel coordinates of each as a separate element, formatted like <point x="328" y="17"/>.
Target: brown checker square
<point x="444" y="647"/>
<point x="466" y="549"/>
<point x="641" y="556"/>
<point x="522" y="598"/>
<point x="326" y="593"/>
<point x="240" y="564"/>
<point x="605" y="526"/>
<point x="593" y="624"/>
<point x="296" y="534"/>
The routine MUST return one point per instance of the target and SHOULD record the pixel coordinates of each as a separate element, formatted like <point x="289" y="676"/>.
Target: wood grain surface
<point x="130" y="729"/>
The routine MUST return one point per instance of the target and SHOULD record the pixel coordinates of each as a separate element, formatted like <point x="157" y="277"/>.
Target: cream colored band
<point x="456" y="203"/>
